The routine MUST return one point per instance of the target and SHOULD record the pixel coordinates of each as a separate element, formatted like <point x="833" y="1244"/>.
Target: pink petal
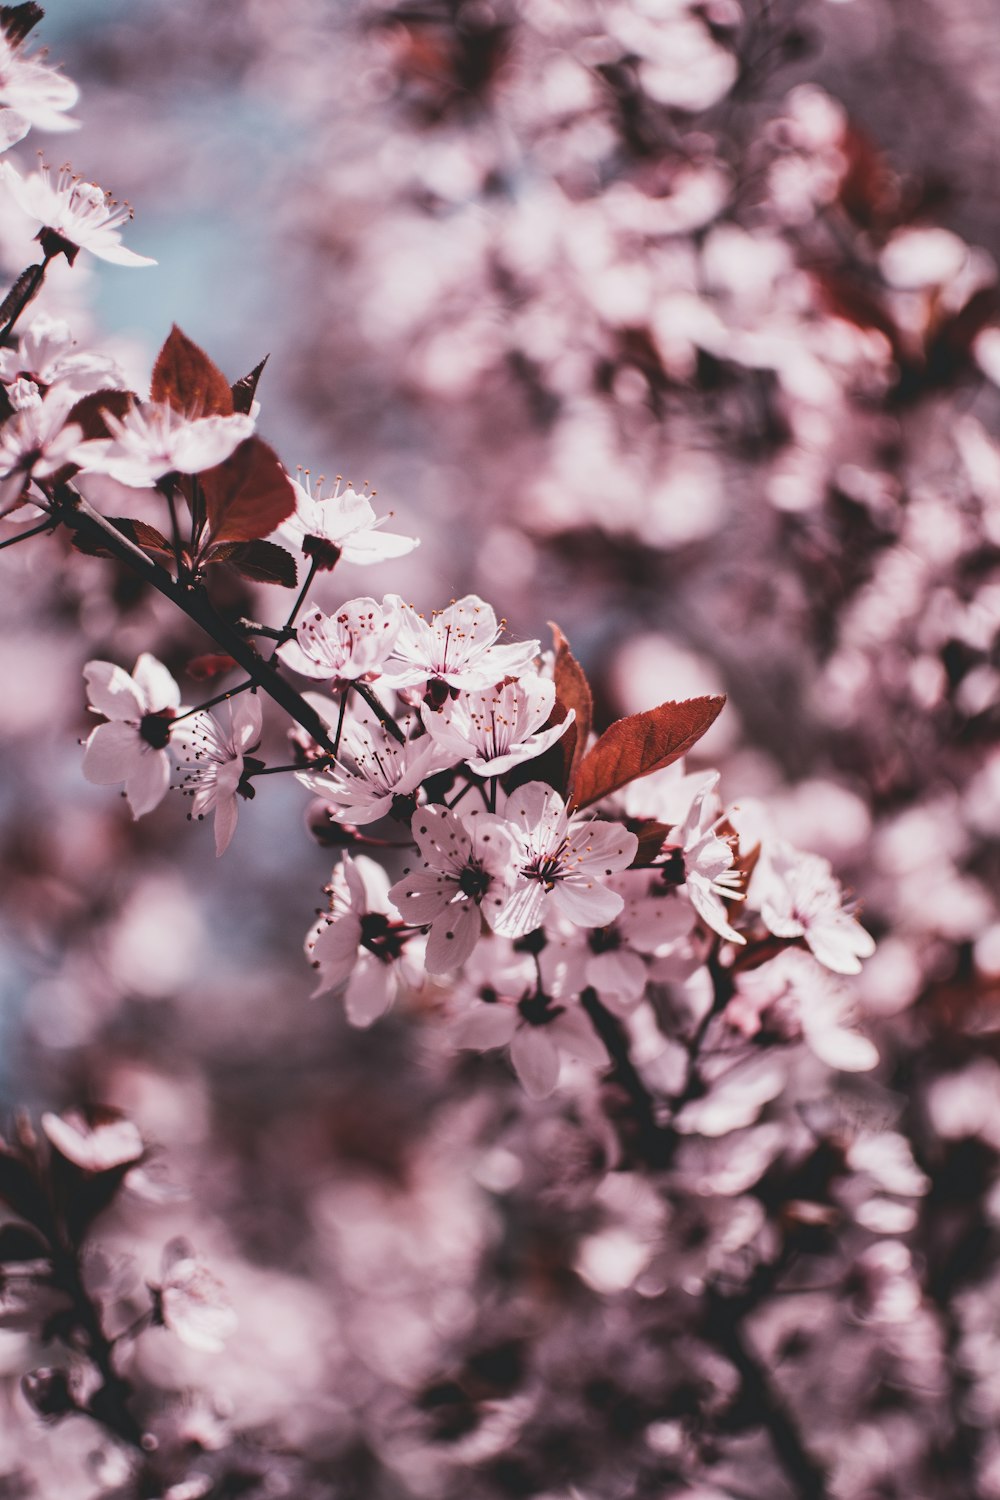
<point x="111" y="691"/>
<point x="112" y="753"/>
<point x="149" y="781"/>
<point x="536" y="1060"/>
<point x="452" y="937"/>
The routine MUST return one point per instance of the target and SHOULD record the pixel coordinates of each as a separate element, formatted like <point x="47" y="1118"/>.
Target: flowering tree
<point x="604" y="1187"/>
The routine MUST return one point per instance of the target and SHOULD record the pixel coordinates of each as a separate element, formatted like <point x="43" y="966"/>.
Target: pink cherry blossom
<point x="457" y="647"/>
<point x="33" y="90"/>
<point x="192" y="1300"/>
<point x="214" y="757"/>
<point x="152" y="439"/>
<point x="373" y="770"/>
<point x="564" y="861"/>
<point x="500" y="727"/>
<point x="800" y="897"/>
<point x="466" y="859"/>
<point x="97" y="1145"/>
<point x="79" y="212"/>
<point x="36" y="443"/>
<point x="356" y="946"/>
<point x="349" y="646"/>
<point x="132" y="746"/>
<point x="709" y="877"/>
<point x="343" y="525"/>
<point x="537" y="1032"/>
<point x="48" y="354"/>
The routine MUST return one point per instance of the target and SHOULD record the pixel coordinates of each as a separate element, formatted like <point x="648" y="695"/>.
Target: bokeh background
<point x="676" y="323"/>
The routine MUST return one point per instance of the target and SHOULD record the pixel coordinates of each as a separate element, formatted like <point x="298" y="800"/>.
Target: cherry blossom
<point x="48" y="353"/>
<point x="564" y="860"/>
<point x="152" y="439"/>
<point x="710" y="879"/>
<point x="29" y="88"/>
<point x="375" y="774"/>
<point x="467" y="859"/>
<point x="132" y="746"/>
<point x="793" y="997"/>
<point x="96" y="1145"/>
<point x="498" y="728"/>
<point x="349" y="646"/>
<point x="343" y="524"/>
<point x="800" y="897"/>
<point x="36" y="443"/>
<point x="537" y="1032"/>
<point x="457" y="647"/>
<point x="356" y="947"/>
<point x="214" y="758"/>
<point x="78" y="212"/>
<point x="192" y="1300"/>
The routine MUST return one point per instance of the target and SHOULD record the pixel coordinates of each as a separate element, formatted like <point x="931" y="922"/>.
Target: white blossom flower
<point x="373" y="770"/>
<point x="35" y="443"/>
<point x="48" y="354"/>
<point x="132" y="746"/>
<point x="343" y="524"/>
<point x="457" y="647"/>
<point x="356" y="947"/>
<point x="792" y="997"/>
<point x="214" y="757"/>
<point x="29" y="88"/>
<point x="192" y="1300"/>
<point x="98" y="1145"/>
<point x="800" y="897"/>
<point x="78" y="212"/>
<point x="465" y="859"/>
<point x="152" y="439"/>
<point x="709" y="877"/>
<point x="349" y="646"/>
<point x="500" y="727"/>
<point x="564" y="861"/>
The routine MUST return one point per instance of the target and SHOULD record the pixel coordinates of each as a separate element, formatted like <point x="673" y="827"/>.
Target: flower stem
<point x="12" y="541"/>
<point x="379" y="709"/>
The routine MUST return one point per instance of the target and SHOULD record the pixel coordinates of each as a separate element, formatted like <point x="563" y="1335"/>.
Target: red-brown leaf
<point x="572" y="691"/>
<point x="139" y="532"/>
<point x="263" y="562"/>
<point x="245" y="389"/>
<point x="185" y="377"/>
<point x="642" y="743"/>
<point x="212" y="664"/>
<point x="248" y="495"/>
<point x="89" y="412"/>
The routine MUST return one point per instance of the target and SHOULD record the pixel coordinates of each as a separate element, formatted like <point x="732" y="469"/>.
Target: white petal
<point x="839" y="1048"/>
<point x="536" y="1060"/>
<point x="112" y="754"/>
<point x="586" y="903"/>
<point x="370" y="991"/>
<point x="575" y="1034"/>
<point x="453" y="936"/>
<point x="149" y="781"/>
<point x="111" y="691"/>
<point x="156" y="684"/>
<point x="484" y="1027"/>
<point x="518" y="913"/>
<point x="226" y="813"/>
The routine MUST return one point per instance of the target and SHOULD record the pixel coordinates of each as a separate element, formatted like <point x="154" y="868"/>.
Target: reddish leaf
<point x="185" y="377"/>
<point x="650" y="834"/>
<point x="248" y="495"/>
<point x="89" y="411"/>
<point x="261" y="561"/>
<point x="244" y="390"/>
<point x="572" y="691"/>
<point x="139" y="532"/>
<point x="212" y="664"/>
<point x="642" y="743"/>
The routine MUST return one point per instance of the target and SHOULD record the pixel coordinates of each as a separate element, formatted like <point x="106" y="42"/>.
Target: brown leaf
<point x="17" y="20"/>
<point x="186" y="378"/>
<point x="248" y="495"/>
<point x="650" y="834"/>
<point x="264" y="562"/>
<point x="89" y="412"/>
<point x="139" y="532"/>
<point x="572" y="691"/>
<point x="244" y="390"/>
<point x="642" y="743"/>
<point x="212" y="664"/>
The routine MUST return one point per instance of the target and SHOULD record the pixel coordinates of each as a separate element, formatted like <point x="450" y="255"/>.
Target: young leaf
<point x="650" y="834"/>
<point x="572" y="691"/>
<point x="139" y="532"/>
<point x="89" y="412"/>
<point x="186" y="378"/>
<point x="642" y="743"/>
<point x="244" y="390"/>
<point x="264" y="562"/>
<point x="248" y="495"/>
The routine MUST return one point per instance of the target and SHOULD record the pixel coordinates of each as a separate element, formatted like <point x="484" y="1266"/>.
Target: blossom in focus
<point x="456" y="647"/>
<point x="192" y="1300"/>
<point x="213" y="757"/>
<point x="152" y="439"/>
<point x="800" y="897"/>
<point x="356" y="946"/>
<point x="343" y="524"/>
<point x="132" y="746"/>
<point x="709" y="877"/>
<point x="373" y="770"/>
<point x="78" y="212"/>
<point x="48" y="355"/>
<point x="352" y="644"/>
<point x="466" y="859"/>
<point x="29" y="88"/>
<point x="35" y="443"/>
<point x="564" y="861"/>
<point x="500" y="727"/>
